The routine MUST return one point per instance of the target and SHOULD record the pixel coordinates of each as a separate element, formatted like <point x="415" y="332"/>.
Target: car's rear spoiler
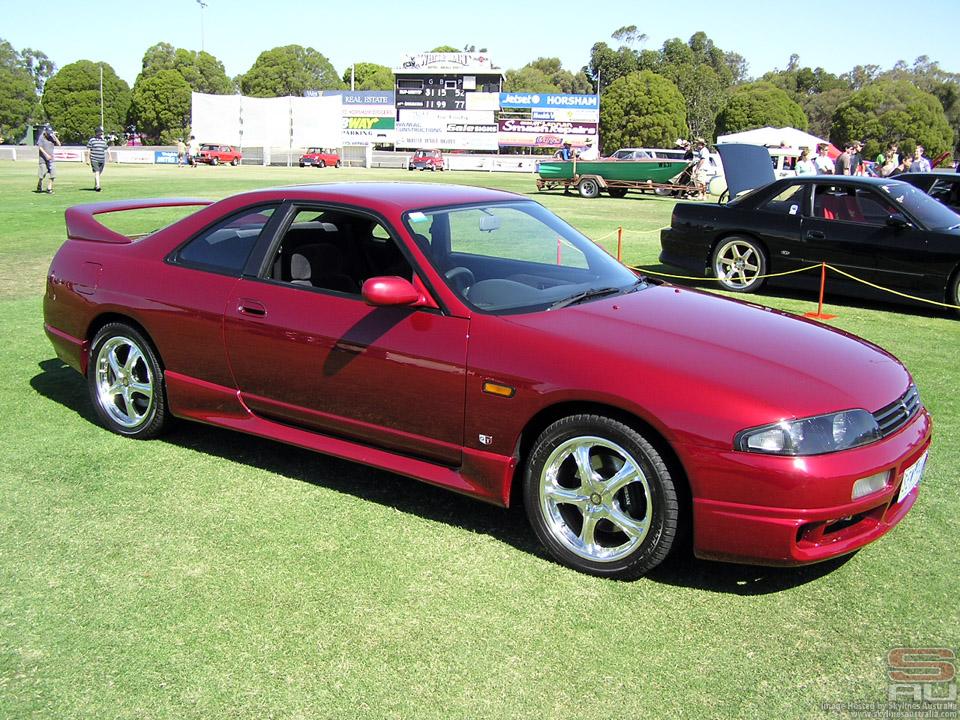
<point x="82" y="225"/>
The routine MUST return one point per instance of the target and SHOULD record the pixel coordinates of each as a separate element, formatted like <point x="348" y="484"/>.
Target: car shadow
<point x="60" y="383"/>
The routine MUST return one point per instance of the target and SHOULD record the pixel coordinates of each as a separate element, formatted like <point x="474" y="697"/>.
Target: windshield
<point x="516" y="257"/>
<point x="932" y="214"/>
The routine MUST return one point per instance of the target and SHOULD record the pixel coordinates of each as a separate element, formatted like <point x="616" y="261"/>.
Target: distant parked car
<point x="426" y="160"/>
<point x="216" y="154"/>
<point x="319" y="157"/>
<point x="944" y="187"/>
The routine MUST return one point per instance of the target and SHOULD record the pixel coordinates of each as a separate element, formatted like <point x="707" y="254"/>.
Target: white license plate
<point x="911" y="477"/>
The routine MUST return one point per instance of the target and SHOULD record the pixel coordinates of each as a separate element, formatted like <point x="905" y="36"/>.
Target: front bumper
<point x="778" y="532"/>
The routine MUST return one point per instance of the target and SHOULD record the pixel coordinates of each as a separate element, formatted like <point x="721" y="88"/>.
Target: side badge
<point x="486" y="439"/>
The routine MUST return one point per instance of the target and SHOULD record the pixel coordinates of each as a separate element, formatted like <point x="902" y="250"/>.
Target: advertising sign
<point x="551" y="127"/>
<point x="165" y="157"/>
<point x="368" y="123"/>
<point x="545" y="100"/>
<point x="445" y="62"/>
<point x="365" y="103"/>
<point x="565" y="114"/>
<point x="145" y="157"/>
<point x="69" y="154"/>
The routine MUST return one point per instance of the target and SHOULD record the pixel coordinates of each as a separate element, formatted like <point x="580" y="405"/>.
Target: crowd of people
<point x="889" y="163"/>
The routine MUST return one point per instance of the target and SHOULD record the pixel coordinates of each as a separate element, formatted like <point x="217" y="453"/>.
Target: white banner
<point x="316" y="121"/>
<point x="565" y="114"/>
<point x="142" y="157"/>
<point x="69" y="154"/>
<point x="216" y="118"/>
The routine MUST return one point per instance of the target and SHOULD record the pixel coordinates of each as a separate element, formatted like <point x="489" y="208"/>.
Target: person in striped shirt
<point x="98" y="156"/>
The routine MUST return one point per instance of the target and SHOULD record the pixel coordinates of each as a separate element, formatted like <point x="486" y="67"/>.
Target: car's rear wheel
<point x="126" y="382"/>
<point x="953" y="296"/>
<point x="338" y="164"/>
<point x="214" y="161"/>
<point x="600" y="497"/>
<point x="235" y="162"/>
<point x="588" y="188"/>
<point x="740" y="264"/>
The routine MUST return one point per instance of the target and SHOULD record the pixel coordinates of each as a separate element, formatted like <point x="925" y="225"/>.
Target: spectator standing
<point x="589" y="152"/>
<point x="844" y="163"/>
<point x="98" y="156"/>
<point x="888" y="160"/>
<point x="193" y="151"/>
<point x="856" y="158"/>
<point x="805" y="166"/>
<point x="822" y="162"/>
<point x="181" y="152"/>
<point x="903" y="166"/>
<point x="47" y="141"/>
<point x="920" y="163"/>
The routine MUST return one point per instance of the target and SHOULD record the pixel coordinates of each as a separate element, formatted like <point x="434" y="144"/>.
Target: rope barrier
<point x="714" y="279"/>
<point x="893" y="292"/>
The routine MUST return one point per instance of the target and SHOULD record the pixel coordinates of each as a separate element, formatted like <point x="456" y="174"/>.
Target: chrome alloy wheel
<point x="595" y="499"/>
<point x="738" y="264"/>
<point x="124" y="382"/>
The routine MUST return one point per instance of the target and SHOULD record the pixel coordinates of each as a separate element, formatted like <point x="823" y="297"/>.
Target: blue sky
<point x="833" y="35"/>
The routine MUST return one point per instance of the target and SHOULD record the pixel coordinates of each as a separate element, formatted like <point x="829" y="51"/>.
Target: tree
<point x="160" y="106"/>
<point x="18" y="94"/>
<point x="608" y="65"/>
<point x="758" y="105"/>
<point x="40" y="66"/>
<point x="546" y="75"/>
<point x="71" y="100"/>
<point x="703" y="95"/>
<point x="444" y="49"/>
<point x="203" y="72"/>
<point x="642" y="109"/>
<point x="289" y="70"/>
<point x="892" y="111"/>
<point x="369" y="76"/>
<point x="817" y="91"/>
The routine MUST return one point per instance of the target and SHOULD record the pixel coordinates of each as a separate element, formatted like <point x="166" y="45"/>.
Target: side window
<point x="851" y="204"/>
<point x="788" y="202"/>
<point x="225" y="247"/>
<point x="336" y="250"/>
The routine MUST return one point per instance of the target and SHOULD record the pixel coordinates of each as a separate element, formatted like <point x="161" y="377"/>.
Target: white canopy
<point x="773" y="137"/>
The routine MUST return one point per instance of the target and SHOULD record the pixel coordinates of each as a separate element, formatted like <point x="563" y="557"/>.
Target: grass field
<point x="212" y="575"/>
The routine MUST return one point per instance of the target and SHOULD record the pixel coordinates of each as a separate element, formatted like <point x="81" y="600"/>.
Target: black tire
<point x="588" y="188"/>
<point x="739" y="264"/>
<point x="126" y="384"/>
<point x="617" y="192"/>
<point x="953" y="295"/>
<point x="321" y="163"/>
<point x="631" y="529"/>
<point x="301" y="164"/>
<point x="235" y="162"/>
<point x="338" y="164"/>
<point x="214" y="161"/>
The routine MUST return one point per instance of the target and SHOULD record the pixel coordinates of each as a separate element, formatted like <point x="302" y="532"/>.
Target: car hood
<point x="745" y="167"/>
<point x="741" y="355"/>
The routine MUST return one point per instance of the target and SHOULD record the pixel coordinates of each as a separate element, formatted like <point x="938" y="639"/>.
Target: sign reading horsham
<point x="546" y="100"/>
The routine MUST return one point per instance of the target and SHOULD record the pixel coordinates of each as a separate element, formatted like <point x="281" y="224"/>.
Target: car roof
<point x="939" y="175"/>
<point x="400" y="195"/>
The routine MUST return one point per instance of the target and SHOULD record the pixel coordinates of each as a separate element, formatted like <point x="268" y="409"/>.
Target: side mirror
<point x="898" y="221"/>
<point x="390" y="291"/>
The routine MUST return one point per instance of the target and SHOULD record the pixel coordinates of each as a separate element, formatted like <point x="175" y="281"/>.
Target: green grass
<point x="212" y="575"/>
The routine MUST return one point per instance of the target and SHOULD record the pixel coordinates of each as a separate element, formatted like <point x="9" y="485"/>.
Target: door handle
<point x="816" y="235"/>
<point x="251" y="308"/>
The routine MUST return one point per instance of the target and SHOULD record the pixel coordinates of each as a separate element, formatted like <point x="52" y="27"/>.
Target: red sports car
<point x="471" y="339"/>
<point x="318" y="157"/>
<point x="217" y="154"/>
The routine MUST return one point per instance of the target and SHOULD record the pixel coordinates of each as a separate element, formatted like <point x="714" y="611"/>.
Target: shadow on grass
<point x="63" y="385"/>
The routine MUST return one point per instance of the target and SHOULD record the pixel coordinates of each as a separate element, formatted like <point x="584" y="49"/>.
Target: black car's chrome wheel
<point x="126" y="382"/>
<point x="600" y="497"/>
<point x="740" y="264"/>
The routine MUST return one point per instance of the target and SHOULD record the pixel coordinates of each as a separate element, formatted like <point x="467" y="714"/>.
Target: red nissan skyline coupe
<point x="471" y="339"/>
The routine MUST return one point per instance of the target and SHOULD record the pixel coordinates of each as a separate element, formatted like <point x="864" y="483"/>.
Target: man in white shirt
<point x="589" y="152"/>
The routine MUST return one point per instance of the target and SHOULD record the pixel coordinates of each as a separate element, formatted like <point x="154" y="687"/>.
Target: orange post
<point x="819" y="314"/>
<point x="620" y="243"/>
<point x="559" y="253"/>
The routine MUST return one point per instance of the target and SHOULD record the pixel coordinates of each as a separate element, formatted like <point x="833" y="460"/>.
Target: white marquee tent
<point x="773" y="137"/>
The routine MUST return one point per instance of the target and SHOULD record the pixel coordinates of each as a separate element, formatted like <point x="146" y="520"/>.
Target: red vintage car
<point x="431" y="160"/>
<point x="471" y="339"/>
<point x="319" y="157"/>
<point x="217" y="154"/>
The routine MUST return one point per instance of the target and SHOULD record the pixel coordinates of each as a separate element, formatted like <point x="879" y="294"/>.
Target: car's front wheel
<point x="235" y="162"/>
<point x="739" y="264"/>
<point x="338" y="164"/>
<point x="126" y="382"/>
<point x="600" y="497"/>
<point x="214" y="161"/>
<point x="321" y="163"/>
<point x="953" y="297"/>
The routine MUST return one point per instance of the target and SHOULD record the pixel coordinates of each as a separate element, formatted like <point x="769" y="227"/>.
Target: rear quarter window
<point x="225" y="247"/>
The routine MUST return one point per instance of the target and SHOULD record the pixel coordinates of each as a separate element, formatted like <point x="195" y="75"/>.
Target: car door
<point x="846" y="225"/>
<point x="321" y="358"/>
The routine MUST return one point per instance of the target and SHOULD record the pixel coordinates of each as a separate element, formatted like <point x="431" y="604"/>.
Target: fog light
<point x="872" y="484"/>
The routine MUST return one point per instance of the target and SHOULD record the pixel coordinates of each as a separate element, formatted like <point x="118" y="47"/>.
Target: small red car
<point x="319" y="157"/>
<point x="426" y="160"/>
<point x="438" y="332"/>
<point x="217" y="154"/>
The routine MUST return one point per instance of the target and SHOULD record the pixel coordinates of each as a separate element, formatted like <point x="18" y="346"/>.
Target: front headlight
<point x="811" y="436"/>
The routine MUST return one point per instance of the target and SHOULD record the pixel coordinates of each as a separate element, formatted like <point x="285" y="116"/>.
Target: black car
<point x="944" y="187"/>
<point x="882" y="231"/>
